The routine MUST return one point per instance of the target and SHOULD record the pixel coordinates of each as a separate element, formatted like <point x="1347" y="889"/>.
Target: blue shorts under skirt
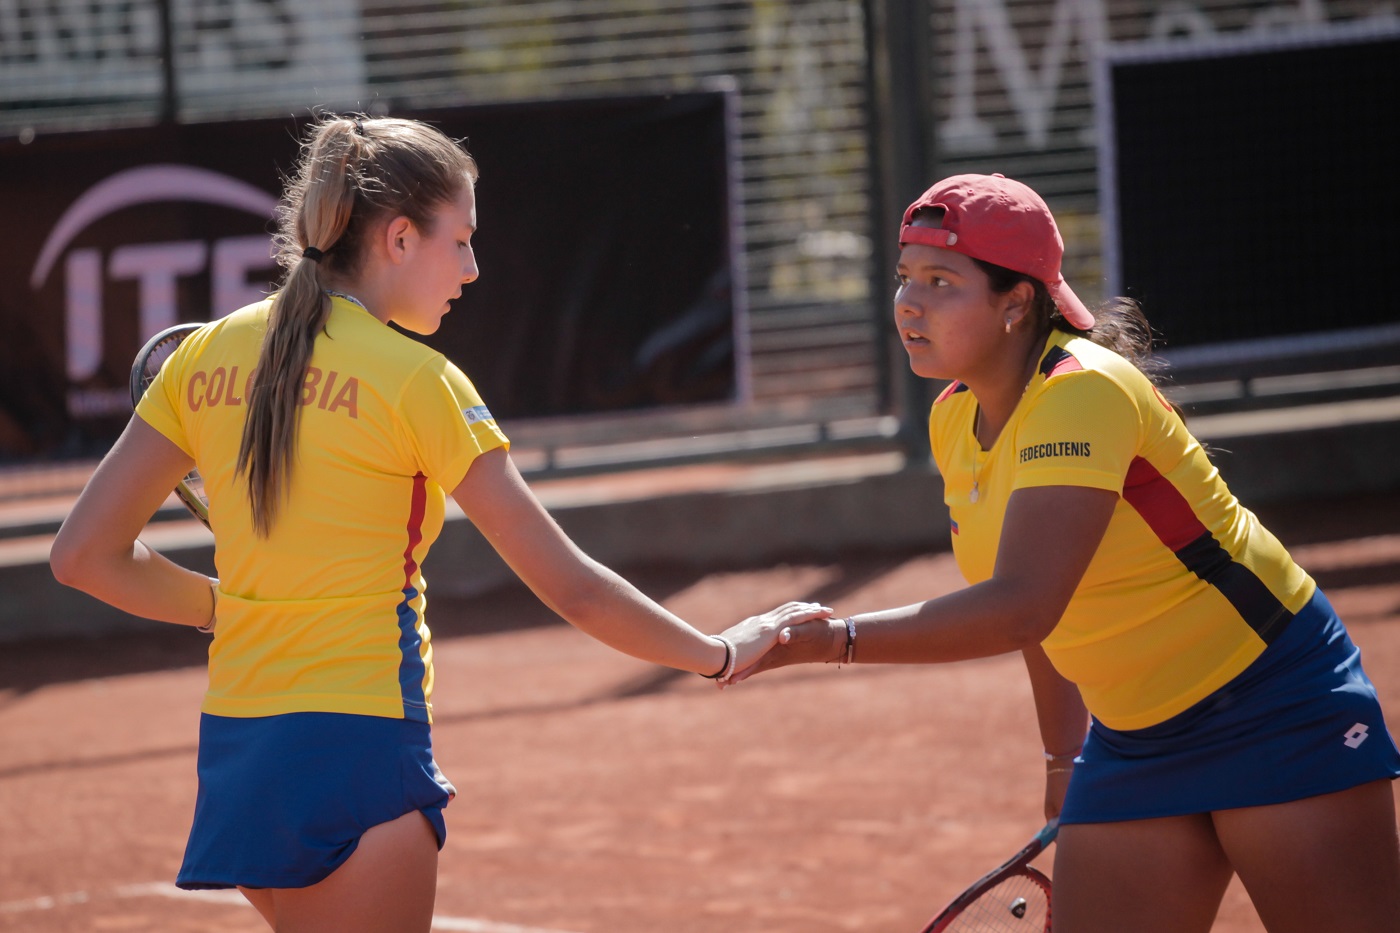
<point x="1302" y="720"/>
<point x="283" y="800"/>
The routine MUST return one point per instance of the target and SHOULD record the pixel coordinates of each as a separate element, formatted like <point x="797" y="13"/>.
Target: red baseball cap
<point x="998" y="220"/>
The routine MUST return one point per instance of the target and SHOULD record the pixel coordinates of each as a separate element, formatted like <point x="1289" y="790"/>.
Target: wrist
<point x="208" y="627"/>
<point x="844" y="634"/>
<point x="731" y="655"/>
<point x="1054" y="758"/>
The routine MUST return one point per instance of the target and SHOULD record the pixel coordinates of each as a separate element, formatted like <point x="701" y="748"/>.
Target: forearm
<point x="1063" y="722"/>
<point x="1059" y="708"/>
<point x="605" y="606"/>
<point x="144" y="583"/>
<point x="979" y="621"/>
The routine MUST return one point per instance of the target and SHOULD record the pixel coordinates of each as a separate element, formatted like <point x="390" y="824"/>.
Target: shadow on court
<point x="29" y="665"/>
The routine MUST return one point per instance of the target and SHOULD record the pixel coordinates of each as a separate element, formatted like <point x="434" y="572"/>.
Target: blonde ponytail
<point x="353" y="172"/>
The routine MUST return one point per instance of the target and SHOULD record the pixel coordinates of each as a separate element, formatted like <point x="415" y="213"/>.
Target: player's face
<point x="945" y="312"/>
<point x="441" y="264"/>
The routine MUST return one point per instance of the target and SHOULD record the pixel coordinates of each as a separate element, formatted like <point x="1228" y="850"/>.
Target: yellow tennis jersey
<point x="1186" y="588"/>
<point x="326" y="614"/>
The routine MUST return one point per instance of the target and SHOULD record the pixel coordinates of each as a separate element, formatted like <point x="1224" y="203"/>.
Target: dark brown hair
<point x="1119" y="323"/>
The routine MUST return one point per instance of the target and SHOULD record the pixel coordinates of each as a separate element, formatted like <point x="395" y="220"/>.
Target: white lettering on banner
<point x="156" y="267"/>
<point x="84" y="312"/>
<point x="280" y="51"/>
<point x="1032" y="92"/>
<point x="234" y="258"/>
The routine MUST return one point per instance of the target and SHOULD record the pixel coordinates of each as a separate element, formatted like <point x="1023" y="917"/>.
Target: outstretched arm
<point x="97" y="550"/>
<point x="589" y="595"/>
<point x="1048" y="538"/>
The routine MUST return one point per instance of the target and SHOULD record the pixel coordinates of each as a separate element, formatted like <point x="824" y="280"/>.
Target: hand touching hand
<point x="757" y="635"/>
<point x="817" y="637"/>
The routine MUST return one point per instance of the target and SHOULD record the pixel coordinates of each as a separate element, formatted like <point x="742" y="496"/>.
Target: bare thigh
<point x="387" y="886"/>
<point x="1323" y="863"/>
<point x="261" y="898"/>
<point x="1164" y="875"/>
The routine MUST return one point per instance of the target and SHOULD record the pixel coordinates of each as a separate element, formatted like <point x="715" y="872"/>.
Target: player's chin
<point x="927" y="368"/>
<point x="424" y="327"/>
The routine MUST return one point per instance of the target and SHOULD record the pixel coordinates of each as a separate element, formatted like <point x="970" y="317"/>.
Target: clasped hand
<point x="793" y="633"/>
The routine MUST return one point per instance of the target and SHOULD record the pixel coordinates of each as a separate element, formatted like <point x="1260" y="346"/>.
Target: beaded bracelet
<point x="208" y="627"/>
<point x="850" y="639"/>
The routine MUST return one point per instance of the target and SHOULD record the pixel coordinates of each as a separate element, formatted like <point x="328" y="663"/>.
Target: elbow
<point x="1032" y="629"/>
<point x="63" y="565"/>
<point x="1038" y="620"/>
<point x="578" y="601"/>
<point x="581" y="593"/>
<point x="68" y="560"/>
<point x="1032" y="619"/>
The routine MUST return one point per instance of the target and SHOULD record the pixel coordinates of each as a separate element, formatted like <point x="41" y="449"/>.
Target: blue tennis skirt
<point x="283" y="800"/>
<point x="1302" y="720"/>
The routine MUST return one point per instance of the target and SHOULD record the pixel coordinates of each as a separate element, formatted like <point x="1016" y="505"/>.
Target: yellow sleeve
<point x="445" y="423"/>
<point x="1083" y="429"/>
<point x="160" y="406"/>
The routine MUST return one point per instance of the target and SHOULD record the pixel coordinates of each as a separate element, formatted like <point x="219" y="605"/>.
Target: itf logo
<point x="154" y="268"/>
<point x="1355" y="736"/>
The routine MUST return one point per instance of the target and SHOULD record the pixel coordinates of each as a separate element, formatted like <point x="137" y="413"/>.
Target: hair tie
<point x="360" y="126"/>
<point x="312" y="253"/>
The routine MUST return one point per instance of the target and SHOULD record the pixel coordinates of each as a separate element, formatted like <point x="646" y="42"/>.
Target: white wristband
<point x="1067" y="756"/>
<point x="732" y="659"/>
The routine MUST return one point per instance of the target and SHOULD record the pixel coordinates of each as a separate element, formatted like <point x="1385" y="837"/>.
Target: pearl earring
<point x="1008" y="325"/>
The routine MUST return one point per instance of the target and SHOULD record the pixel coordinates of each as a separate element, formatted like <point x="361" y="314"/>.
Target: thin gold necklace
<point x="977" y="450"/>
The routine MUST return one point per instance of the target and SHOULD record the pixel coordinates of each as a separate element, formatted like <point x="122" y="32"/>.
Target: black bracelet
<point x="728" y="660"/>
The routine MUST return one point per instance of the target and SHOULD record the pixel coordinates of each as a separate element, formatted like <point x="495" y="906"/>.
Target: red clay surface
<point x="598" y="793"/>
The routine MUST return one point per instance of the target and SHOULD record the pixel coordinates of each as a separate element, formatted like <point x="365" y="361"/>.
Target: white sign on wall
<point x="1032" y="74"/>
<point x="281" y="52"/>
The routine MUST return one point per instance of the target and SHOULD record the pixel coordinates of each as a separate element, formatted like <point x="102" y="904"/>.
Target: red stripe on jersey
<point x="953" y="389"/>
<point x="1171" y="518"/>
<point x="1161" y="505"/>
<point x="418" y="506"/>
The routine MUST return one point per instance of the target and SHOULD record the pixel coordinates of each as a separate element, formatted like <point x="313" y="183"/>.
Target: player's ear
<point x="398" y="238"/>
<point x="1018" y="302"/>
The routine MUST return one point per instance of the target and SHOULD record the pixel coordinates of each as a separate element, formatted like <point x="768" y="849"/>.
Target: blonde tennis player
<point x="328" y="443"/>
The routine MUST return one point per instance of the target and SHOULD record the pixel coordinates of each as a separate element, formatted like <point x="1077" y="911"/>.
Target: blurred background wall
<point x="842" y="111"/>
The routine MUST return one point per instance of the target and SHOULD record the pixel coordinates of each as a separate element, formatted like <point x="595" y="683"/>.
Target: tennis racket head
<point x="1012" y="898"/>
<point x="190" y="489"/>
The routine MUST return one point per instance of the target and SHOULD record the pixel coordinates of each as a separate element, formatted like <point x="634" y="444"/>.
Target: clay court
<point x="602" y="795"/>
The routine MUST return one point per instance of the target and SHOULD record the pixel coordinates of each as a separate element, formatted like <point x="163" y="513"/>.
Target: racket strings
<point x="1017" y="904"/>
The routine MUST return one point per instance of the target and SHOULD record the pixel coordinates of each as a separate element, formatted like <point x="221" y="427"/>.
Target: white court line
<point x="484" y="926"/>
<point x="166" y="889"/>
<point x="229" y="897"/>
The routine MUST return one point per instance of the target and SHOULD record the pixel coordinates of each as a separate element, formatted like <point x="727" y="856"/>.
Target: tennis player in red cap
<point x="1230" y="726"/>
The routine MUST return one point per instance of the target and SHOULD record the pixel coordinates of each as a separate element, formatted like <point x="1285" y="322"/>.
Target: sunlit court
<point x="897" y="466"/>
